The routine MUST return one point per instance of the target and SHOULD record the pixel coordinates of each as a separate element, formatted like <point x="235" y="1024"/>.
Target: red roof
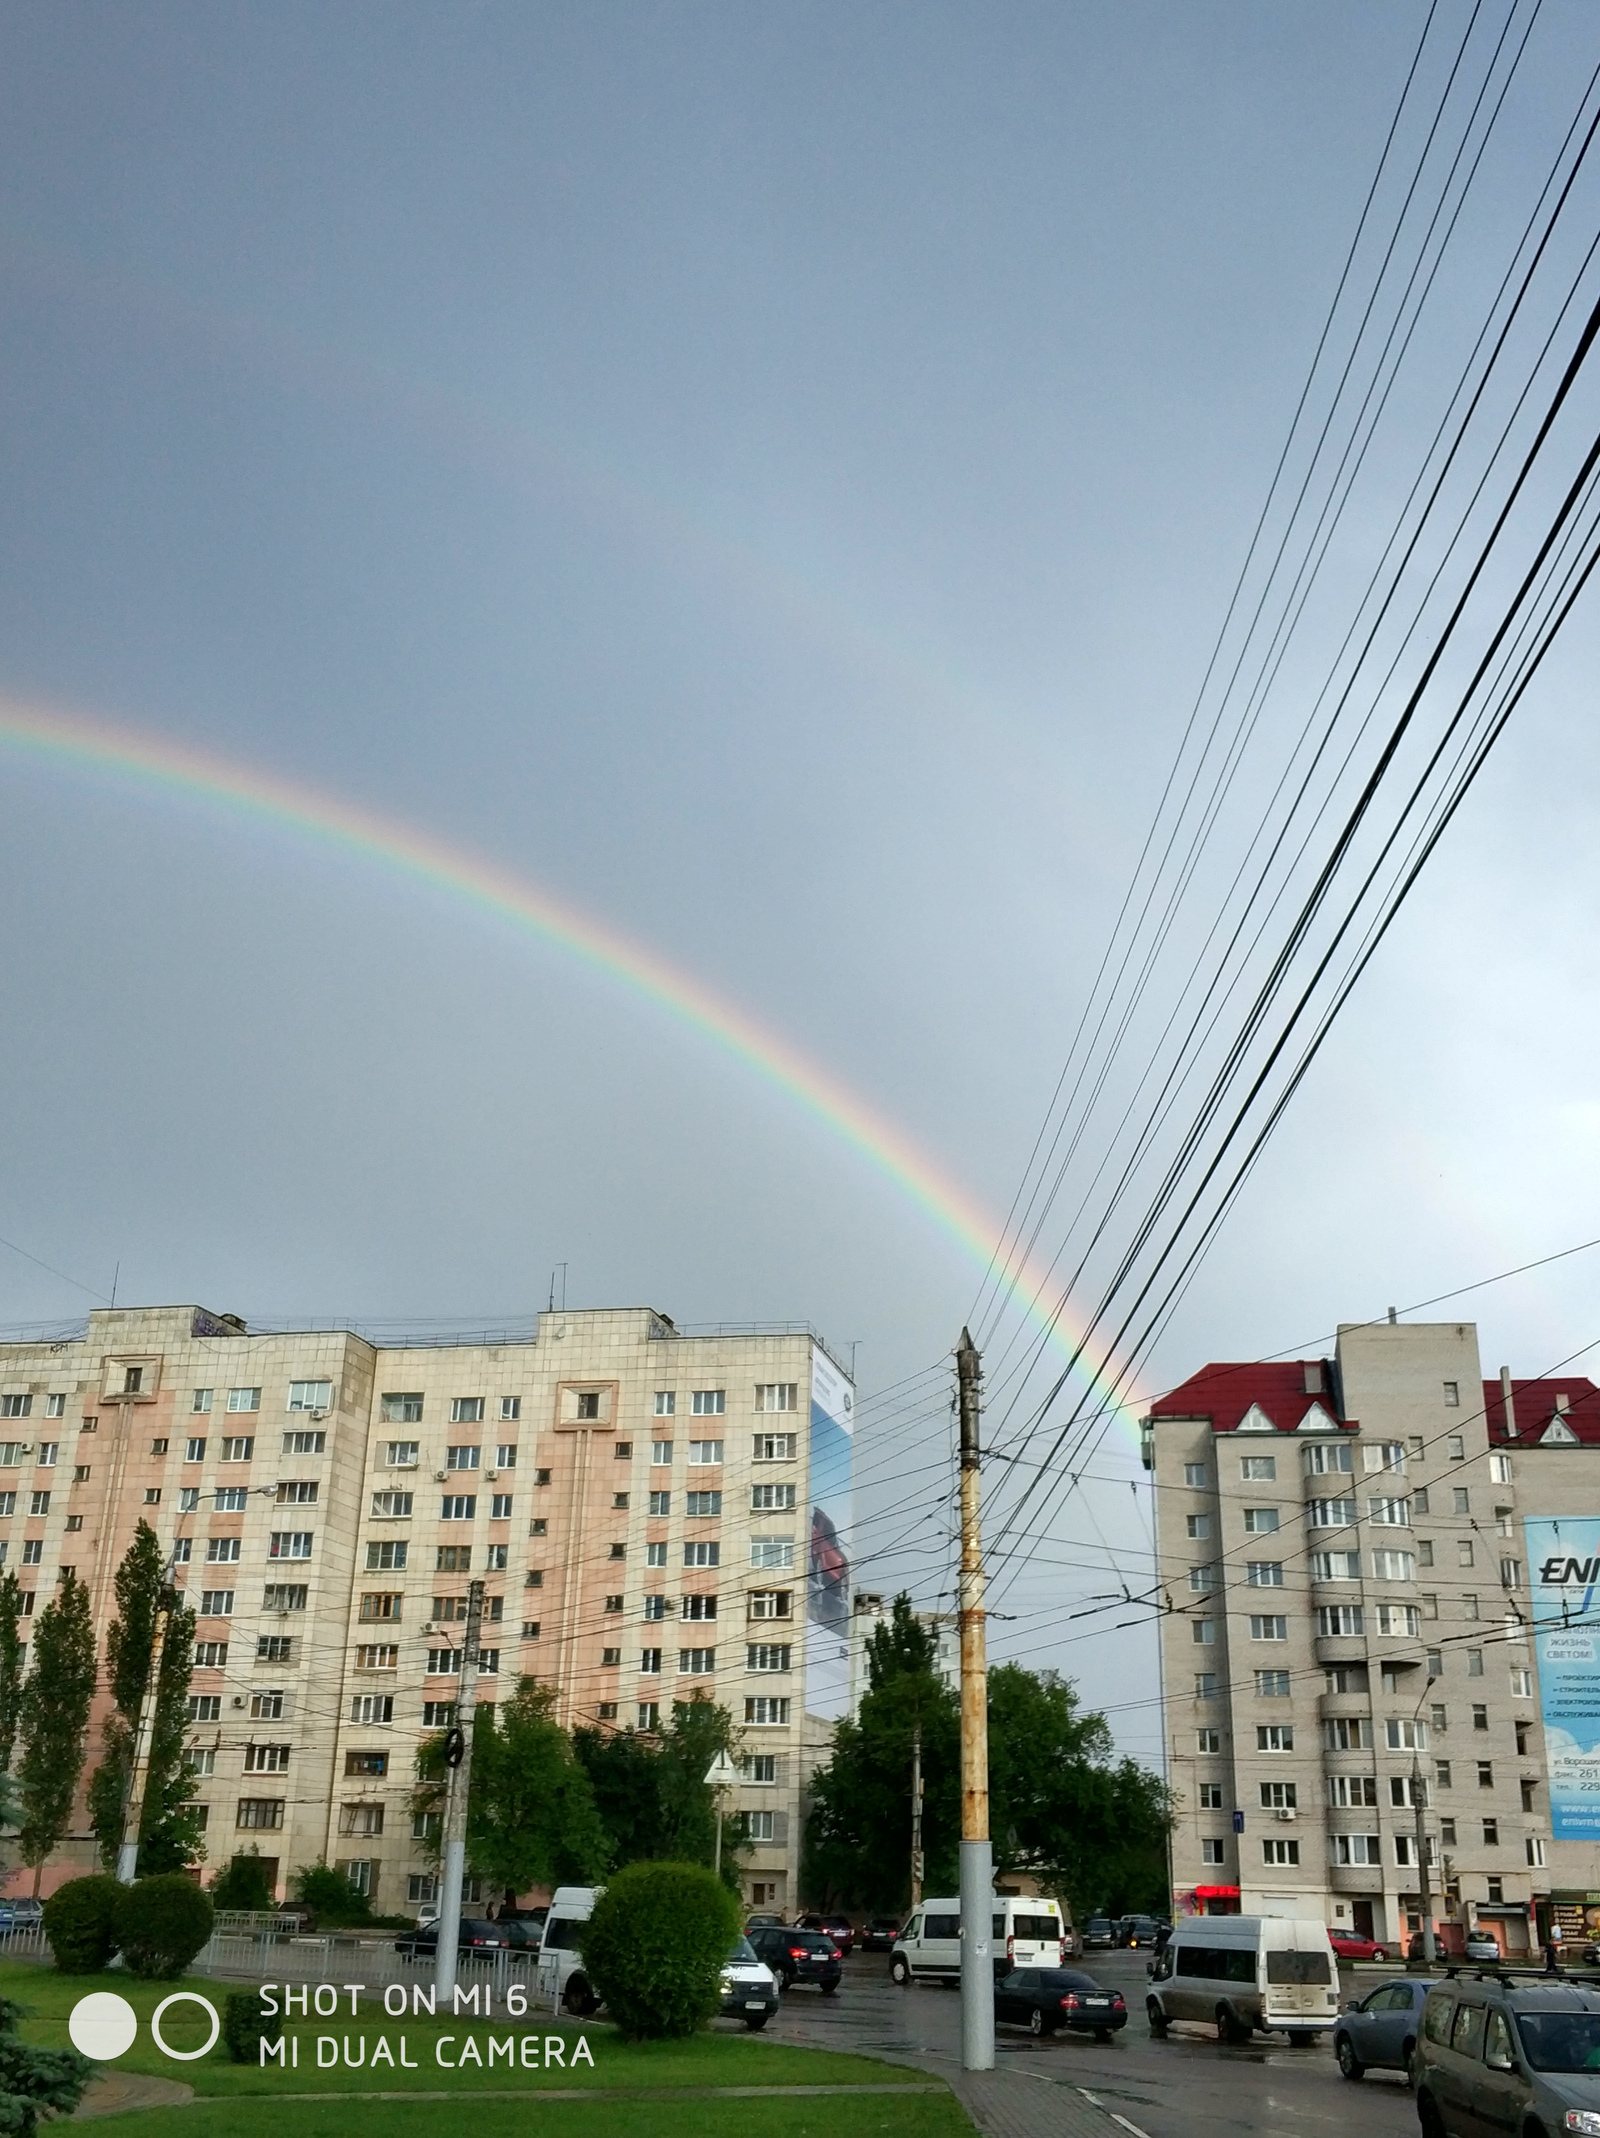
<point x="1224" y="1393"/>
<point x="1534" y="1403"/>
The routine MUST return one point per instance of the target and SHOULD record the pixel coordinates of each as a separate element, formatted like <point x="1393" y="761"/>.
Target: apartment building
<point x="657" y="1516"/>
<point x="1365" y="1559"/>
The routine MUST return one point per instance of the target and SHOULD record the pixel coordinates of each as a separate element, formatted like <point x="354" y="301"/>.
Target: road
<point x="1187" y="2086"/>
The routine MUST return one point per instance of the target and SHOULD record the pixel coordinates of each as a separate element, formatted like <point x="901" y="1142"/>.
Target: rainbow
<point x="59" y="739"/>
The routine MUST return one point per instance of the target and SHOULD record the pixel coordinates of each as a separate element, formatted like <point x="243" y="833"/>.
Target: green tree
<point x="33" y="2080"/>
<point x="170" y="1835"/>
<point x="243" y="1883"/>
<point x="650" y="1788"/>
<point x="858" y="1835"/>
<point x="53" y="1725"/>
<point x="10" y="1666"/>
<point x="531" y="1818"/>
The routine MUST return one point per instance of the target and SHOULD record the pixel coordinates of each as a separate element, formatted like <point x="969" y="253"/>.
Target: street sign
<point x="722" y="1773"/>
<point x="1238" y="1822"/>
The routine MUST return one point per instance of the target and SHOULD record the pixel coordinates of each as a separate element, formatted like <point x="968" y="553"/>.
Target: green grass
<point x="714" y="2058"/>
<point x="827" y="2116"/>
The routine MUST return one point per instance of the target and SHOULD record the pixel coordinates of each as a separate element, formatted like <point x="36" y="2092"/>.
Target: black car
<point x="1136" y="1930"/>
<point x="880" y="1933"/>
<point x="1100" y="1931"/>
<point x="477" y="1935"/>
<point x="798" y="1956"/>
<point x="1046" y="1999"/>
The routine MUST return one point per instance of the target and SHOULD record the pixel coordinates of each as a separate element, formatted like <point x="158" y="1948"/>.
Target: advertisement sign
<point x="829" y="1544"/>
<point x="1563" y="1577"/>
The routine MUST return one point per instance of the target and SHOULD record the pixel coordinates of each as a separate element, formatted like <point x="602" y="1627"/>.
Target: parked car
<point x="477" y="1935"/>
<point x="1513" y="2057"/>
<point x="24" y="1914"/>
<point x="1379" y="2032"/>
<point x="838" y="1927"/>
<point x="520" y="1934"/>
<point x="1046" y="1999"/>
<point x="1099" y="1932"/>
<point x="1483" y="1945"/>
<point x="1350" y="1947"/>
<point x="1135" y="1930"/>
<point x="798" y="1956"/>
<point x="1241" y="1973"/>
<point x="763" y="1922"/>
<point x="749" y="1988"/>
<point x="880" y="1933"/>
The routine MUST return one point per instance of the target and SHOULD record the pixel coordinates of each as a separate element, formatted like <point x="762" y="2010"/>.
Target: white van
<point x="559" y="1974"/>
<point x="1027" y="1933"/>
<point x="1240" y="1972"/>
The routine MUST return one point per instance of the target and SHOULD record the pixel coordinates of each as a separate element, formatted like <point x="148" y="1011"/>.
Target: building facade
<point x="1352" y="1625"/>
<point x="656" y="1517"/>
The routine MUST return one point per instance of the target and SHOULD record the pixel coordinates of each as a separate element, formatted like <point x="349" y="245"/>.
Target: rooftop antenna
<point x="115" y="1274"/>
<point x="561" y="1270"/>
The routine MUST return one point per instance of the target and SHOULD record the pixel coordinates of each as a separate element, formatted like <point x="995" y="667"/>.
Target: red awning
<point x="1216" y="1892"/>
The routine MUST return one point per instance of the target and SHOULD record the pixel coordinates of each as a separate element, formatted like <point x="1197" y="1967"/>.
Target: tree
<point x="650" y="1789"/>
<point x="242" y="1883"/>
<point x="170" y="1835"/>
<point x="33" y="2080"/>
<point x="53" y="1725"/>
<point x="10" y="1666"/>
<point x="531" y="1818"/>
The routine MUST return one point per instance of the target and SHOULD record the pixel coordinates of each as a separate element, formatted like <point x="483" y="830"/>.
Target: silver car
<point x="1498" y="2055"/>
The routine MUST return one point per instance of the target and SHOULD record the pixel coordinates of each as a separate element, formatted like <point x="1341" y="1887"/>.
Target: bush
<point x="656" y="1945"/>
<point x="80" y="1920"/>
<point x="161" y="1924"/>
<point x="34" y="2079"/>
<point x="246" y="2025"/>
<point x="331" y="1897"/>
<point x="243" y="1883"/>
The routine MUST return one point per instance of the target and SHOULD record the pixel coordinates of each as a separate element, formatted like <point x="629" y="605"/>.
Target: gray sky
<point x="771" y="476"/>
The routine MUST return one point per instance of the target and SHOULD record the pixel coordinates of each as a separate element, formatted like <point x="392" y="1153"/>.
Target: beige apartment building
<point x="657" y="1516"/>
<point x="1363" y="1559"/>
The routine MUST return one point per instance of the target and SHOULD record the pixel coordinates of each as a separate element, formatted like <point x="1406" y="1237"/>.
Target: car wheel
<point x="829" y="1989"/>
<point x="1408" y="2064"/>
<point x="1381" y="1952"/>
<point x="1102" y="2034"/>
<point x="1301" y="2037"/>
<point x="758" y="2022"/>
<point x="1350" y="2065"/>
<point x="899" y="1972"/>
<point x="1157" y="2019"/>
<point x="1228" y="2027"/>
<point x="1429" y="2117"/>
<point x="578" y="1998"/>
<point x="1036" y="2022"/>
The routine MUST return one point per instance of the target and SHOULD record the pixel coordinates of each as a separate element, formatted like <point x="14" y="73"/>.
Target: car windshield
<point x="1561" y="2041"/>
<point x="742" y="1950"/>
<point x="1064" y="1978"/>
<point x="563" y="1935"/>
<point x="809" y="1941"/>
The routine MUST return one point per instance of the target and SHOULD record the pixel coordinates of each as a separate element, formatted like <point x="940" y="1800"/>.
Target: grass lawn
<point x="237" y="2097"/>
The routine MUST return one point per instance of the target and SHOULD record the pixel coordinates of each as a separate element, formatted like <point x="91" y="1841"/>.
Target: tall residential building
<point x="656" y="1516"/>
<point x="1380" y="1572"/>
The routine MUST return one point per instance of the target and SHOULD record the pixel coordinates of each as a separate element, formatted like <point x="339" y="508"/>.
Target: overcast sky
<point x="772" y="476"/>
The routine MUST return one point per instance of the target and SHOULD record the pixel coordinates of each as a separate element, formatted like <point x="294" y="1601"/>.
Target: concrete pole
<point x="133" y="1811"/>
<point x="977" y="1860"/>
<point x="455" y="1806"/>
<point x="916" y="1815"/>
<point x="1425" y="1883"/>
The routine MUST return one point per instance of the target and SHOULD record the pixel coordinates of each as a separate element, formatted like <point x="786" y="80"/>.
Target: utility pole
<point x="1429" y="1948"/>
<point x="977" y="1861"/>
<point x="133" y="1810"/>
<point x="916" y="1814"/>
<point x="458" y="1769"/>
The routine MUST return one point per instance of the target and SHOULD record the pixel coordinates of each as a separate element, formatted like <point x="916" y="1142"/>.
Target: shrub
<point x="246" y="2025"/>
<point x="656" y="1945"/>
<point x="161" y="1924"/>
<point x="242" y="1883"/>
<point x="330" y="1896"/>
<point x="80" y="1920"/>
<point x="30" y="2078"/>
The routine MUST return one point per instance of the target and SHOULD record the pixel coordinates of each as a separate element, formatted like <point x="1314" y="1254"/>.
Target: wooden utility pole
<point x="133" y="1810"/>
<point x="458" y="1754"/>
<point x="977" y="1861"/>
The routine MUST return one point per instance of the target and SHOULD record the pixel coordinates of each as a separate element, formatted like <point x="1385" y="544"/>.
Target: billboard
<point x="1563" y="1577"/>
<point x="829" y="1544"/>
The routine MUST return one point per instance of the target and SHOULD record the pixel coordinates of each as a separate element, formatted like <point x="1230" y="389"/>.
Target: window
<point x="289" y="1544"/>
<point x="266" y="1759"/>
<point x="1456" y="1447"/>
<point x="1480" y="1718"/>
<point x="1257" y="1468"/>
<point x="201" y="1400"/>
<point x="194" y="1451"/>
<point x="1394" y="1566"/>
<point x="619" y="1503"/>
<point x="458" y="1507"/>
<point x="773" y="1447"/>
<point x="541" y="1477"/>
<point x="534" y="1578"/>
<point x="1424" y="1551"/>
<point x="11" y="1452"/>
<point x="1203" y="1631"/>
<point x="1521" y="1684"/>
<point x="49" y="1454"/>
<point x="462" y="1458"/>
<point x="666" y="1402"/>
<point x="381" y="1557"/>
<point x="762" y="1710"/>
<point x="655" y="1607"/>
<point x="760" y="1655"/>
<point x="74" y="1523"/>
<point x="500" y="1507"/>
<point x="661" y="1503"/>
<point x="1475" y="1666"/>
<point x="1328" y="1459"/>
<point x="273" y="1648"/>
<point x="267" y="1707"/>
<point x="260" y="1812"/>
<point x="1208" y="1740"/>
<point x="152" y="1497"/>
<point x="610" y="1658"/>
<point x="650" y="1662"/>
<point x="1404" y="1792"/>
<point x="238" y="1449"/>
<point x="1405" y="1735"/>
<point x="697" y="1662"/>
<point x="661" y="1454"/>
<point x="1275" y="1737"/>
<point x="452" y="1559"/>
<point x="650" y="1715"/>
<point x="1502" y="1521"/>
<point x="1447" y="1833"/>
<point x="1354" y="1848"/>
<point x="234" y="1499"/>
<point x="705" y="1453"/>
<point x="1469" y="1607"/>
<point x="1280" y="1852"/>
<point x="362" y="1820"/>
<point x="200" y="1763"/>
<point x="310" y="1395"/>
<point x="1269" y="1628"/>
<point x="1392" y="1514"/>
<point x="1430" y="1605"/>
<point x="304" y="1443"/>
<point x="436" y="1714"/>
<point x="15" y="1406"/>
<point x="1400" y="1618"/>
<point x="1511" y="1573"/>
<point x="510" y="1409"/>
<point x="1260" y="1521"/>
<point x="703" y="1503"/>
<point x="707" y="1403"/>
<point x="761" y="1767"/>
<point x="466" y="1410"/>
<point x="1202" y="1578"/>
<point x="400" y="1455"/>
<point x="1419" y="1500"/>
<point x="769" y="1603"/>
<point x="1500" y="1469"/>
<point x="391" y="1506"/>
<point x="1194" y="1473"/>
<point x="404" y="1408"/>
<point x="1205" y="1685"/>
<point x="1272" y="1684"/>
<point x="1491" y="1833"/>
<point x="1347" y="1733"/>
<point x="287" y="1595"/>
<point x="1452" y="1394"/>
<point x="1340" y="1621"/>
<point x="1346" y="1790"/>
<point x="1264" y="1574"/>
<point x="1330" y="1514"/>
<point x="1440" y="1717"/>
<point x="55" y="1406"/>
<point x="1212" y="1851"/>
<point x="1535" y="1850"/>
<point x="33" y="1551"/>
<point x="444" y="1662"/>
<point x="8" y="1503"/>
<point x="210" y="1655"/>
<point x="1198" y="1526"/>
<point x="378" y="1655"/>
<point x="530" y="1629"/>
<point x="244" y="1399"/>
<point x="1275" y="1796"/>
<point x="693" y="1606"/>
<point x="216" y="1603"/>
<point x="205" y="1707"/>
<point x="655" y="1555"/>
<point x="222" y="1550"/>
<point x="1384" y="1455"/>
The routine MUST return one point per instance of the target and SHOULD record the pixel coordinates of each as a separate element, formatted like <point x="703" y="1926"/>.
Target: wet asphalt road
<point x="1187" y="2086"/>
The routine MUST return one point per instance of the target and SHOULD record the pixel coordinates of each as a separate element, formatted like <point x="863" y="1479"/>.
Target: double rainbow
<point x="61" y="740"/>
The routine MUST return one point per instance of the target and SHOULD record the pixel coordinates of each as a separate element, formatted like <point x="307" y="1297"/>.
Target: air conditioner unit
<point x="441" y="1477"/>
<point x="1285" y="1815"/>
<point x="491" y="1475"/>
<point x="238" y="1699"/>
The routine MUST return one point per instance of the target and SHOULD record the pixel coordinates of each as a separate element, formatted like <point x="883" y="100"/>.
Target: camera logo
<point x="104" y="2026"/>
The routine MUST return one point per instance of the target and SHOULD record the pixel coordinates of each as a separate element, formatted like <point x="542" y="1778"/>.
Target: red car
<point x="1349" y="1947"/>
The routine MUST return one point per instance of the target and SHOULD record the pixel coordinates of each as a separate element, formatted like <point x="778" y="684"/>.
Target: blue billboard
<point x="1563" y="1578"/>
<point x="830" y="1543"/>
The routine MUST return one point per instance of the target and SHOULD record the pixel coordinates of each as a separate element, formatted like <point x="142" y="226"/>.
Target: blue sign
<point x="1238" y="1822"/>
<point x="1563" y="1581"/>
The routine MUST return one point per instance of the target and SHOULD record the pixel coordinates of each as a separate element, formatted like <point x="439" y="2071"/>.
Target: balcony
<point x="1340" y="1648"/>
<point x="1330" y="1705"/>
<point x="1356" y="1877"/>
